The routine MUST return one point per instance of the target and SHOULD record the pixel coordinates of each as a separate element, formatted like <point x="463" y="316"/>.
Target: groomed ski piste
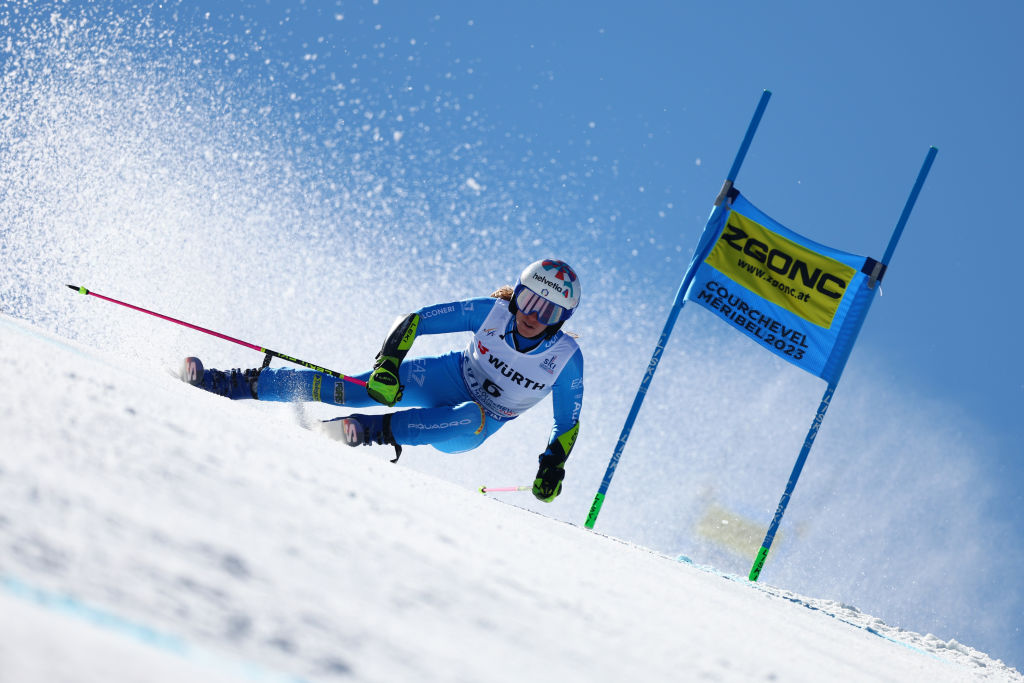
<point x="153" y="532"/>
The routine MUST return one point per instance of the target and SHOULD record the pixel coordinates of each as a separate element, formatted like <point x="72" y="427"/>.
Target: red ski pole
<point x="254" y="347"/>
<point x="492" y="489"/>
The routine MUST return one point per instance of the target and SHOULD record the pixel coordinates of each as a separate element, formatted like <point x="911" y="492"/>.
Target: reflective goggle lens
<point x="530" y="303"/>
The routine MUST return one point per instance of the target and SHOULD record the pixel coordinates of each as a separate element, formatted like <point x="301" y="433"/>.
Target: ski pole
<point x="493" y="489"/>
<point x="268" y="352"/>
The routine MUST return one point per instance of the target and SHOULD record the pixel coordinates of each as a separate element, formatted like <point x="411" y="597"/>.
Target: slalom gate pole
<point x="773" y="528"/>
<point x="254" y="347"/>
<point x="826" y="399"/>
<point x="909" y="206"/>
<point x="495" y="489"/>
<point x="720" y="205"/>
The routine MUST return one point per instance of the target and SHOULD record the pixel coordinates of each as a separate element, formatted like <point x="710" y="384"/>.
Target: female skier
<point x="517" y="356"/>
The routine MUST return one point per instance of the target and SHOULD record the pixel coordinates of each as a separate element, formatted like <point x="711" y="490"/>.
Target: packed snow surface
<point x="152" y="532"/>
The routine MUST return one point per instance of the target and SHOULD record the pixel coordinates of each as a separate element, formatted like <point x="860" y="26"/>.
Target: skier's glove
<point x="548" y="483"/>
<point x="382" y="385"/>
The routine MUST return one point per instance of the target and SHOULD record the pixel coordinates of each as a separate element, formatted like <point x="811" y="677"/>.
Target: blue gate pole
<point x="720" y="205"/>
<point x="762" y="554"/>
<point x="911" y="200"/>
<point x="766" y="545"/>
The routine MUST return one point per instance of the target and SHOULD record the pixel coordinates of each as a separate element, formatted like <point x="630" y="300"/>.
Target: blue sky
<point x="369" y="145"/>
<point x="651" y="100"/>
<point x="644" y="104"/>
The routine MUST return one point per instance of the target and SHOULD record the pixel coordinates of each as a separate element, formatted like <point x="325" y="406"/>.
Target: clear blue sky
<point x="860" y="93"/>
<point x="642" y="106"/>
<point x="602" y="131"/>
<point x="648" y="101"/>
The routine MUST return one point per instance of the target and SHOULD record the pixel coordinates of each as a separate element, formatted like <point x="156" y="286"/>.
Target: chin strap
<point x="526" y="344"/>
<point x="553" y="330"/>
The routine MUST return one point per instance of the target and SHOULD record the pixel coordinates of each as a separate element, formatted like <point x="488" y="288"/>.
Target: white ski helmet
<point x="548" y="288"/>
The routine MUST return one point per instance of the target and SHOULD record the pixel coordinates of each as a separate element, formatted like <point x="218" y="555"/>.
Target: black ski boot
<point x="363" y="430"/>
<point x="234" y="383"/>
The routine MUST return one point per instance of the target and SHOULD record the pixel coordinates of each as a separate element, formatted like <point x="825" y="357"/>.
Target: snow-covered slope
<point x="152" y="532"/>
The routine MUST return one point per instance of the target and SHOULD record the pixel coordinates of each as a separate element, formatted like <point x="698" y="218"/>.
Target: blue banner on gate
<point x="803" y="301"/>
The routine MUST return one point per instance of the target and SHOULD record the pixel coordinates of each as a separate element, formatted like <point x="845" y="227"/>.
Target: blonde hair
<point x="503" y="292"/>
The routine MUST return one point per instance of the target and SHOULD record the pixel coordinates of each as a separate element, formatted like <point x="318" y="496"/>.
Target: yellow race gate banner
<point x="803" y="301"/>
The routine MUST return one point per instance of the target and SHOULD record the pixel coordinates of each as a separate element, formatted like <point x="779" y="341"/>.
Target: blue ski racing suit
<point x="462" y="397"/>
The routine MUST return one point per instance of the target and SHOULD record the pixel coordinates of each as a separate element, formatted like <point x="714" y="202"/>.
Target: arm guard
<point x="551" y="467"/>
<point x="558" y="450"/>
<point x="383" y="385"/>
<point x="399" y="341"/>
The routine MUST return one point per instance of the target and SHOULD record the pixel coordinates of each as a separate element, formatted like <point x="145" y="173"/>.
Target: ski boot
<point x="362" y="430"/>
<point x="234" y="384"/>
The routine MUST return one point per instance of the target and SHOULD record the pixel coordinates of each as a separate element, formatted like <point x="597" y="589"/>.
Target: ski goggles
<point x="529" y="302"/>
